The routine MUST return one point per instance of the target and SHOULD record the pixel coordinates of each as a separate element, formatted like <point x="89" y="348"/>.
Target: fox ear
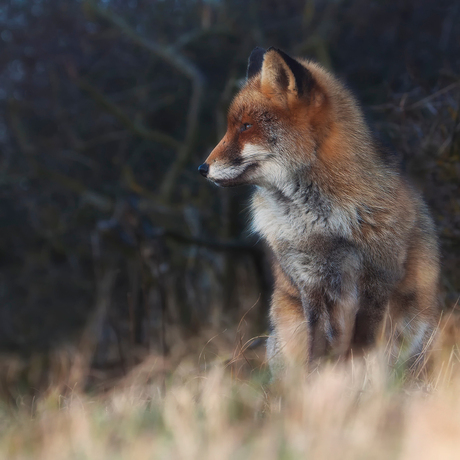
<point x="281" y="74"/>
<point x="255" y="62"/>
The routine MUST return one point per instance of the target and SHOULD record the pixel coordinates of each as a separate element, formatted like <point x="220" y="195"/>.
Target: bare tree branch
<point x="185" y="151"/>
<point x="30" y="152"/>
<point x="195" y="35"/>
<point x="183" y="65"/>
<point x="80" y="369"/>
<point x="141" y="131"/>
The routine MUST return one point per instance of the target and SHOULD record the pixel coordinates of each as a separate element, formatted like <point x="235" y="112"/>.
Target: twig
<point x="415" y="105"/>
<point x="224" y="245"/>
<point x="90" y="336"/>
<point x="190" y="37"/>
<point x="183" y="65"/>
<point x="455" y="129"/>
<point x="141" y="131"/>
<point x="432" y="96"/>
<point x="30" y="152"/>
<point x="172" y="175"/>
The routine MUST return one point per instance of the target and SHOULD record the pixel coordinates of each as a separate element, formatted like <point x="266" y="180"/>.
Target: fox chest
<point x="279" y="224"/>
<point x="294" y="223"/>
<point x="309" y="247"/>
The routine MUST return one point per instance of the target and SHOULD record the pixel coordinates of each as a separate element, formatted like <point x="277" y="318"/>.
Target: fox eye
<point x="245" y="127"/>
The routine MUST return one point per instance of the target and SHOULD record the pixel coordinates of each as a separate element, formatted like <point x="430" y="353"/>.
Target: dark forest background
<point x="112" y="246"/>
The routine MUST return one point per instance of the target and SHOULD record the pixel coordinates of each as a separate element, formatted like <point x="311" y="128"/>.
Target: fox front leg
<point x="288" y="342"/>
<point x="376" y="286"/>
<point x="330" y="312"/>
<point x="321" y="334"/>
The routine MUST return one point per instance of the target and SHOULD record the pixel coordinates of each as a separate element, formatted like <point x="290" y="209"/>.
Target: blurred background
<point x="112" y="246"/>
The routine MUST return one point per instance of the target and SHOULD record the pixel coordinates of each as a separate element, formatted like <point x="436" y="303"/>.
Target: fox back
<point x="352" y="240"/>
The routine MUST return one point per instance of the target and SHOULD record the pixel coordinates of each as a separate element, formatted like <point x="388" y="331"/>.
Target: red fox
<point x="352" y="240"/>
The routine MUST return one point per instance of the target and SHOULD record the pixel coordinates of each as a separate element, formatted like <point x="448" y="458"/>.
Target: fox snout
<point x="224" y="164"/>
<point x="204" y="169"/>
<point x="227" y="170"/>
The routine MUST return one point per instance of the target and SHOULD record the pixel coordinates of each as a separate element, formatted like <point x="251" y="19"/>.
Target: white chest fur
<point x="281" y="219"/>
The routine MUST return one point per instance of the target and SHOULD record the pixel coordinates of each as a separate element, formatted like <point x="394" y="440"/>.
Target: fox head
<point x="275" y="124"/>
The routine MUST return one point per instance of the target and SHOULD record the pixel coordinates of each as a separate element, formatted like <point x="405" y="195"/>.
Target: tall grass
<point x="355" y="410"/>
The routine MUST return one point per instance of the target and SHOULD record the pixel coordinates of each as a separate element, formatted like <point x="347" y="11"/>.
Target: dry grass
<point x="344" y="411"/>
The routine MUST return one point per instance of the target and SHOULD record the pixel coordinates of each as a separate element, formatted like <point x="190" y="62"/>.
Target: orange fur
<point x="352" y="240"/>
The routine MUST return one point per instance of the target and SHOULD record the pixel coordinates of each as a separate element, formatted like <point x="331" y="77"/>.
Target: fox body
<point x="352" y="240"/>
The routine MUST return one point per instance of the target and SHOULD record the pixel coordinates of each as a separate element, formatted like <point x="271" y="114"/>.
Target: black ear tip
<point x="258" y="49"/>
<point x="255" y="61"/>
<point x="256" y="53"/>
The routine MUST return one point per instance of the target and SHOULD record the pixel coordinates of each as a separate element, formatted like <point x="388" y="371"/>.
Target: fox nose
<point x="204" y="169"/>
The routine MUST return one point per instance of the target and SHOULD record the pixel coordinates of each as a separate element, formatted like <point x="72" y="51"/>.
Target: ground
<point x="217" y="409"/>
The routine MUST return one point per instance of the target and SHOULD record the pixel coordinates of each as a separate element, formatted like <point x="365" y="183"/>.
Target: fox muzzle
<point x="204" y="169"/>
